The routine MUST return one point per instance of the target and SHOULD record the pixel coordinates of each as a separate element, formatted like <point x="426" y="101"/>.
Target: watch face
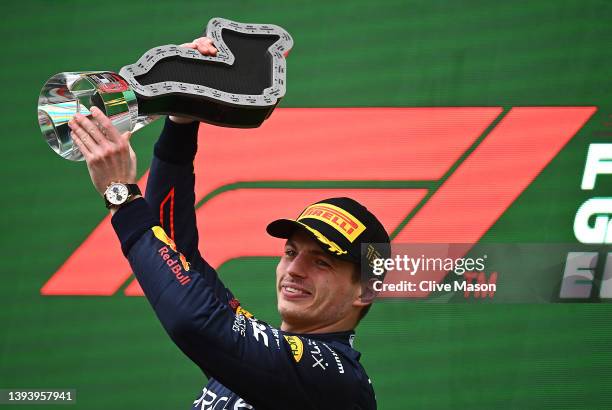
<point x="117" y="194"/>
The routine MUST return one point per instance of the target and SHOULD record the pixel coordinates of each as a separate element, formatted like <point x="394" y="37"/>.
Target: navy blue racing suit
<point x="250" y="365"/>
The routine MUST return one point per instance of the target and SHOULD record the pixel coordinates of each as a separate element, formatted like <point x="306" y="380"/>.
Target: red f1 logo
<point x="453" y="176"/>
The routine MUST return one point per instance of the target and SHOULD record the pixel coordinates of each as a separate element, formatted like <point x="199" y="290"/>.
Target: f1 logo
<point x="453" y="175"/>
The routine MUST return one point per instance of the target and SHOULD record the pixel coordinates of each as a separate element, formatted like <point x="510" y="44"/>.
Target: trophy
<point x="239" y="87"/>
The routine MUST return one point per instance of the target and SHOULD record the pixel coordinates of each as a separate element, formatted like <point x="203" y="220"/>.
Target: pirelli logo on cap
<point x="342" y="221"/>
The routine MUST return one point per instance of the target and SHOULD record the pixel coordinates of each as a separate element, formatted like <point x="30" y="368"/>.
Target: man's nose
<point x="297" y="266"/>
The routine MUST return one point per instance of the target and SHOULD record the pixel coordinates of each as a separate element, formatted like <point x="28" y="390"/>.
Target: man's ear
<point x="367" y="293"/>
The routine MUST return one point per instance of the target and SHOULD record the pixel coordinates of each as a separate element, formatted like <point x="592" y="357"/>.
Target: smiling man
<point x="319" y="277"/>
<point x="309" y="363"/>
<point x="316" y="291"/>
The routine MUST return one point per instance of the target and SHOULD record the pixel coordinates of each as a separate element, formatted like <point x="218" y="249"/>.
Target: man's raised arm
<point x="170" y="186"/>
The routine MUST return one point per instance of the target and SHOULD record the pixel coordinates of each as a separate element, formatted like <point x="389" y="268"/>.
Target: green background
<point x="357" y="53"/>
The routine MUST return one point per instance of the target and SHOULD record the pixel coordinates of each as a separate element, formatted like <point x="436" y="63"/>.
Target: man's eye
<point x="289" y="252"/>
<point x="323" y="263"/>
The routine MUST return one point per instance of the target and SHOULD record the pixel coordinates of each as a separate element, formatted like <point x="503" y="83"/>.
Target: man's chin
<point x="292" y="311"/>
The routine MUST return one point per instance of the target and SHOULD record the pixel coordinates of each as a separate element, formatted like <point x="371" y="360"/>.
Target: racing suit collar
<point x="346" y="337"/>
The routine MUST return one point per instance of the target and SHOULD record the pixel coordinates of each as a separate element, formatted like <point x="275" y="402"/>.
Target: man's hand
<point x="205" y="46"/>
<point x="108" y="153"/>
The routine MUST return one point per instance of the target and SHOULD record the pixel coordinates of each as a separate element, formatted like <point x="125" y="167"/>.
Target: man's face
<point x="316" y="291"/>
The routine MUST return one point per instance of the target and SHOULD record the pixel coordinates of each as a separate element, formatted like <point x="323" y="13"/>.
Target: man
<point x="308" y="363"/>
